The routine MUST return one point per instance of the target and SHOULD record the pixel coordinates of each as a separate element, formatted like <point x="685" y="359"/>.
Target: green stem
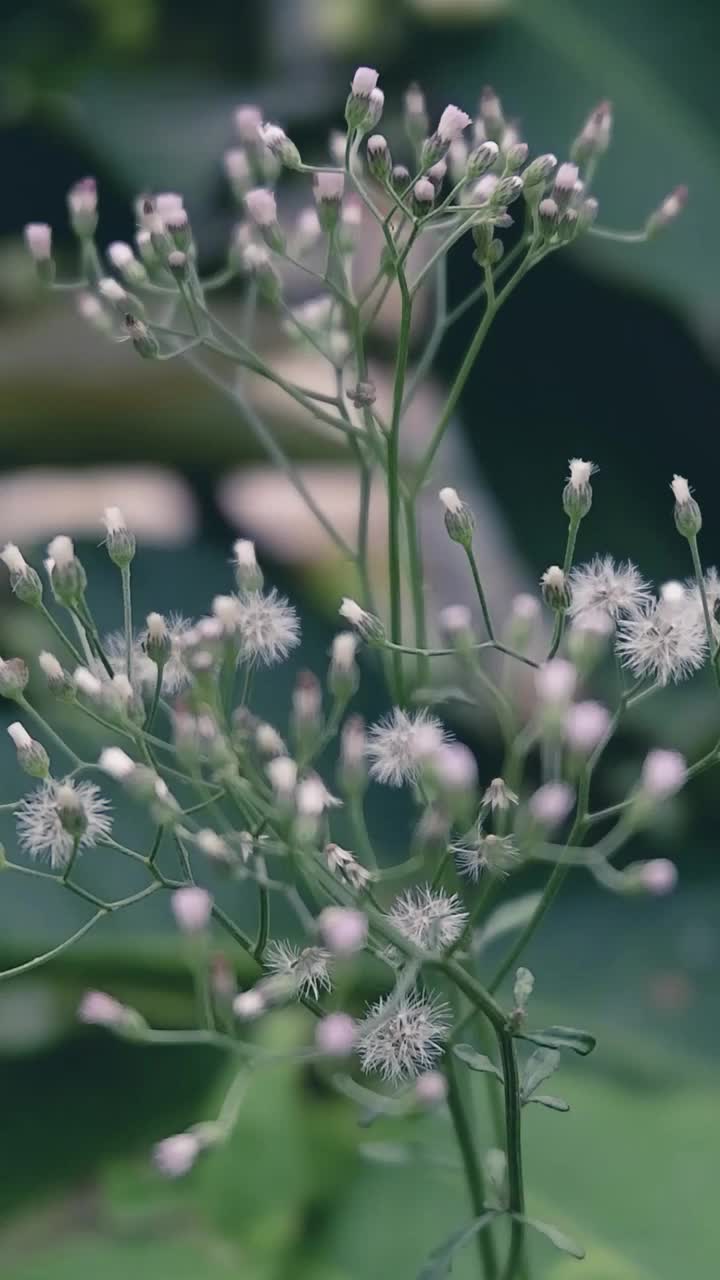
<point x="48" y="730"/>
<point x="155" y="699"/>
<point x="480" y="591"/>
<point x="127" y="618"/>
<point x="471" y="1165"/>
<point x="513" y="1105"/>
<point x="417" y="588"/>
<point x="700" y="579"/>
<point x="393" y="481"/>
<point x="263" y="923"/>
<point x="61" y="635"/>
<point x="55" y="951"/>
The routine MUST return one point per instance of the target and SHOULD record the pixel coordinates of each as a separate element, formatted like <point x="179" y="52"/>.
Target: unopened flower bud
<point x="358" y="107"/>
<point x="24" y="580"/>
<point x="120" y="542"/>
<point x="688" y="519"/>
<point x="343" y="930"/>
<point x="455" y="623"/>
<point x="277" y="141"/>
<point x="58" y="680"/>
<point x="577" y="494"/>
<point x="431" y="1089"/>
<point x="400" y="178"/>
<point x="38" y="239"/>
<point x="142" y="338"/>
<point x="192" y="908"/>
<point x="555" y="589"/>
<point x="248" y="574"/>
<point x="671" y="207"/>
<point x="663" y="774"/>
<point x="423" y="197"/>
<point x="416" y="116"/>
<point x="551" y="804"/>
<point x="175" y="1156"/>
<point x="549" y="216"/>
<point x="586" y="724"/>
<point x="70" y="811"/>
<point x="13" y="677"/>
<point x="353" y="763"/>
<point x="343" y="675"/>
<point x="261" y="207"/>
<point x="594" y="137"/>
<point x="255" y="259"/>
<point x="116" y="763"/>
<point x="564" y="185"/>
<point x="491" y="113"/>
<point x="368" y="626"/>
<point x="328" y="190"/>
<point x="515" y="157"/>
<point x="249" y="1005"/>
<point x="335" y="1035"/>
<point x="67" y="575"/>
<point x="379" y="158"/>
<point x="659" y="876"/>
<point x="82" y="207"/>
<point x="459" y="520"/>
<point x="555" y="682"/>
<point x="31" y="755"/>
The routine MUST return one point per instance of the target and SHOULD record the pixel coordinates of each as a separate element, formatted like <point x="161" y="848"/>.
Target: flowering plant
<point x="224" y="790"/>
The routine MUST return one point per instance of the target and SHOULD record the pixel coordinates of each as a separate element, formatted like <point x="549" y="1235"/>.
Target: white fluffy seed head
<point x="663" y="773"/>
<point x="343" y="930"/>
<point x="260" y="204"/>
<point x="61" y="551"/>
<point x="38" y="238"/>
<point x="116" y="762"/>
<point x="586" y="724"/>
<point x="364" y="81"/>
<point x="452" y="123"/>
<point x="20" y="736"/>
<point x="335" y="1035"/>
<point x="400" y="743"/>
<point x="14" y="560"/>
<point x="192" y="908"/>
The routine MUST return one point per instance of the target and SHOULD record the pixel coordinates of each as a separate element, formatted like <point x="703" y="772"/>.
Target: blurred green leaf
<point x="540" y="1066"/>
<point x="476" y="1061"/>
<point x="561" y="1038"/>
<point x="545" y="1100"/>
<point x="439" y="1264"/>
<point x="554" y="1235"/>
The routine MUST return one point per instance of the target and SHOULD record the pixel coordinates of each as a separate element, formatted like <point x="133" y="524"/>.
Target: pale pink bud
<point x="431" y="1089"/>
<point x="555" y="681"/>
<point x="192" y="907"/>
<point x="551" y="803"/>
<point x="452" y="123"/>
<point x="663" y="773"/>
<point x="659" y="876"/>
<point x="335" y="1035"/>
<point x="175" y="1156"/>
<point x="99" y="1009"/>
<point x="343" y="930"/>
<point x="586" y="724"/>
<point x="364" y="81"/>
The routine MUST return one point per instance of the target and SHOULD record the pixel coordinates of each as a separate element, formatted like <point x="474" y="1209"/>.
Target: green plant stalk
<point x="263" y="923"/>
<point x="480" y="591"/>
<point x="471" y="1165"/>
<point x="700" y="579"/>
<point x="393" y="482"/>
<point x="417" y="590"/>
<point x="127" y="618"/>
<point x="513" y="1108"/>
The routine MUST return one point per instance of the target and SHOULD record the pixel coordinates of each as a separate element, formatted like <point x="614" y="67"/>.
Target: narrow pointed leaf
<point x="539" y="1066"/>
<point x="545" y="1100"/>
<point x="476" y="1061"/>
<point x="554" y="1235"/>
<point x="561" y="1038"/>
<point x="438" y="1265"/>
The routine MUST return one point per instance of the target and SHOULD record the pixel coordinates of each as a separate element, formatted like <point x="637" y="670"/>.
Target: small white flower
<point x="237" y="165"/>
<point x="312" y="797"/>
<point x="455" y="620"/>
<point x="495" y="854"/>
<point x="268" y="627"/>
<point x="306" y="966"/>
<point x="120" y="254"/>
<point x="175" y="676"/>
<point x="192" y="908"/>
<point x="268" y="741"/>
<point x="61" y="551"/>
<point x="50" y="667"/>
<point x="344" y="863"/>
<point x="401" y="1039"/>
<point x="586" y="724"/>
<point x="99" y="1009"/>
<point x="39" y="826"/>
<point x="249" y="1004"/>
<point x="499" y="796"/>
<point x="20" y="736"/>
<point x="452" y="123"/>
<point x="114" y="520"/>
<point x="364" y="81"/>
<point x="282" y="772"/>
<point x="429" y="918"/>
<point x="663" y="773"/>
<point x="665" y="641"/>
<point x="525" y="608"/>
<point x="87" y="683"/>
<point x="344" y="648"/>
<point x="399" y="744"/>
<point x="112" y="290"/>
<point x="681" y="490"/>
<point x="451" y="500"/>
<point x="616" y="589"/>
<point x="13" y="558"/>
<point x="335" y="1035"/>
<point x="566" y="177"/>
<point x="175" y="1156"/>
<point x="454" y="767"/>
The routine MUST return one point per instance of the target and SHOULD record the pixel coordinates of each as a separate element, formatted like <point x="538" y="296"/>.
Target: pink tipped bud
<point x="335" y="1035"/>
<point x="343" y="930"/>
<point x="663" y="773"/>
<point x="192" y="908"/>
<point x="659" y="876"/>
<point x="431" y="1089"/>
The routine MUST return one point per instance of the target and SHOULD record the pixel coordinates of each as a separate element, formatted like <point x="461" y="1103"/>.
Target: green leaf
<point x="476" y="1061"/>
<point x="505" y="919"/>
<point x="439" y="1263"/>
<point x="554" y="1235"/>
<point x="546" y="1100"/>
<point x="561" y="1038"/>
<point x="540" y="1066"/>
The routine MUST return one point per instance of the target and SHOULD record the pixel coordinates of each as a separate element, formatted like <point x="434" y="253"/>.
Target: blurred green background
<point x="608" y="352"/>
